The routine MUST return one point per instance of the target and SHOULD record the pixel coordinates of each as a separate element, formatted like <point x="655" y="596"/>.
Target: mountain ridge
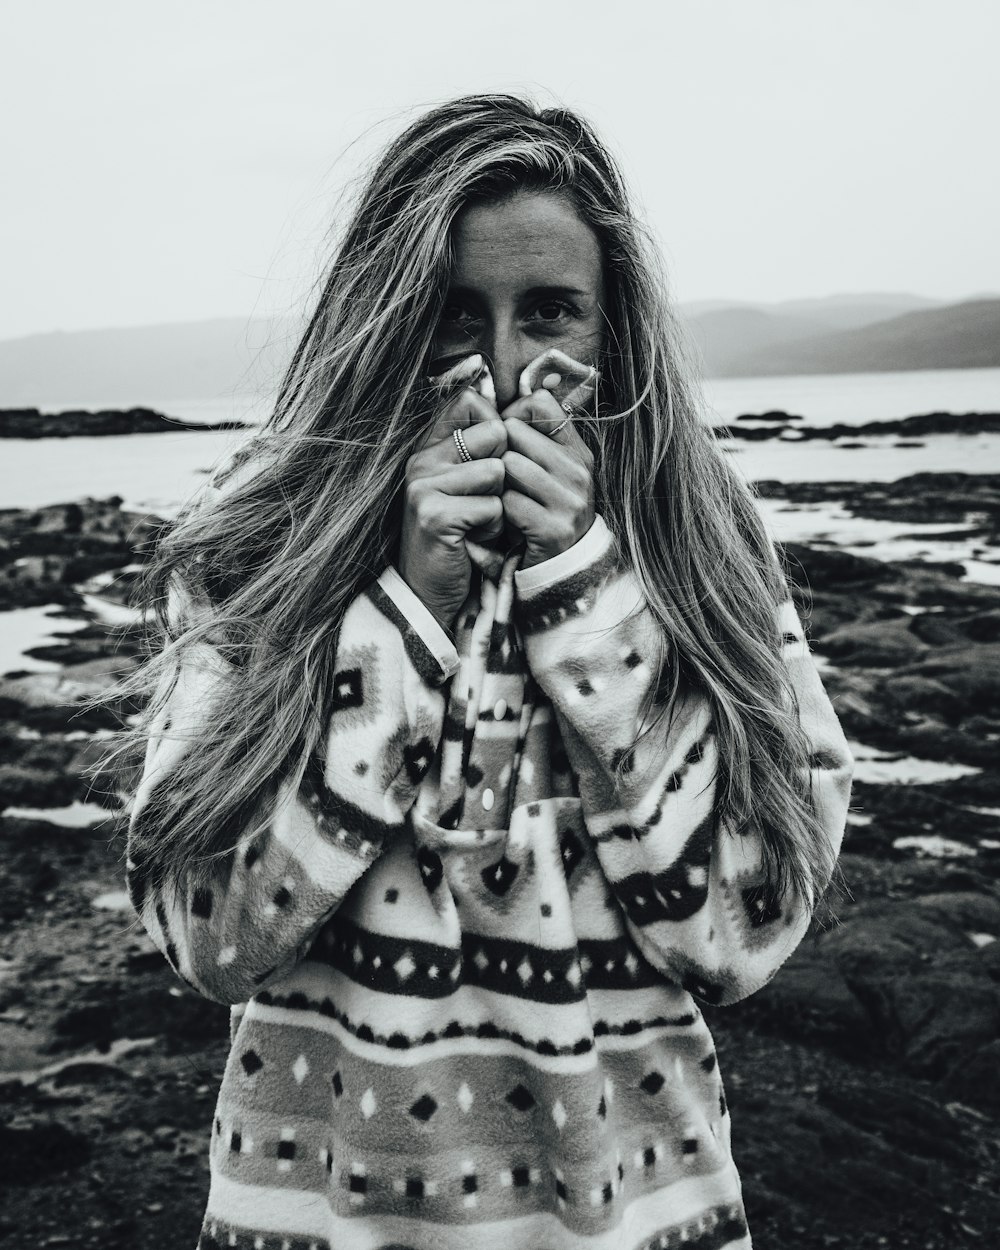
<point x="225" y="357"/>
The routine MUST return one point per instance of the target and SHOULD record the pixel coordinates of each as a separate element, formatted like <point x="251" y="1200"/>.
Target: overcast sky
<point x="178" y="161"/>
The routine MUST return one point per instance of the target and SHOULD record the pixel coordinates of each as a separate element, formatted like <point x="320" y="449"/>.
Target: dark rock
<point x="984" y="626"/>
<point x="913" y="693"/>
<point x="35" y="787"/>
<point x="878" y="644"/>
<point x="921" y="982"/>
<point x="830" y="568"/>
<point x="972" y="912"/>
<point x="773" y="415"/>
<point x="971" y="671"/>
<point x="914" y="1125"/>
<point x="147" y="1008"/>
<point x="938" y="630"/>
<point x="922" y="424"/>
<point x="809" y="1000"/>
<point x="30" y="423"/>
<point x="39" y="1152"/>
<point x="976" y="1077"/>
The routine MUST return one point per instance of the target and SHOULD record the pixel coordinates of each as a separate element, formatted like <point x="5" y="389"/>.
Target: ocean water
<point x="159" y="471"/>
<point x="826" y="398"/>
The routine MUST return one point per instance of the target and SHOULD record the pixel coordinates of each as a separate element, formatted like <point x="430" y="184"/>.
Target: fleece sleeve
<point x="231" y="930"/>
<point x="692" y="894"/>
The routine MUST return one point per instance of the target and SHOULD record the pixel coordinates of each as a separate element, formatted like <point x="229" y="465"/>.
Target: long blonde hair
<point x="281" y="555"/>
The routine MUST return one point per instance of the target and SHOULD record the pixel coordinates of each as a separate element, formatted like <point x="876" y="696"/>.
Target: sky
<point x="182" y="161"/>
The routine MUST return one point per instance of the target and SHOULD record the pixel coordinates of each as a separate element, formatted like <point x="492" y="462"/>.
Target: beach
<point x="864" y="1080"/>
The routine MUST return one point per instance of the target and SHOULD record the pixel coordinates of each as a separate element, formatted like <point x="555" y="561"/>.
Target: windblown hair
<point x="277" y="558"/>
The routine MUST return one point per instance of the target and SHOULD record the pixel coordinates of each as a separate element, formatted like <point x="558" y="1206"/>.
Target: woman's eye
<point x="551" y="310"/>
<point x="456" y="315"/>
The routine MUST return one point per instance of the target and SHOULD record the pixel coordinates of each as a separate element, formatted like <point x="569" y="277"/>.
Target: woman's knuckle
<point x="426" y="510"/>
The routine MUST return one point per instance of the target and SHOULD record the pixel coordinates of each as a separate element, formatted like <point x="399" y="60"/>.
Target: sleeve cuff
<point x="421" y="620"/>
<point x="586" y="551"/>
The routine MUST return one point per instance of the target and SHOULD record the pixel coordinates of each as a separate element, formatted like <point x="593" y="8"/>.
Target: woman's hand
<point x="444" y="499"/>
<point x="549" y="488"/>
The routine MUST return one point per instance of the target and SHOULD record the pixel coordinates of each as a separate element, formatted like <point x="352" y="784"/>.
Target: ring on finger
<point x="560" y="425"/>
<point x="463" y="450"/>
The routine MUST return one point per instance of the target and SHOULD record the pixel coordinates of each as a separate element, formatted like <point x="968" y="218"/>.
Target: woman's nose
<point x="508" y="358"/>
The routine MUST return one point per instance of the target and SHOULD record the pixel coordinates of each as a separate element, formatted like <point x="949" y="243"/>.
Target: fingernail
<point x="551" y="381"/>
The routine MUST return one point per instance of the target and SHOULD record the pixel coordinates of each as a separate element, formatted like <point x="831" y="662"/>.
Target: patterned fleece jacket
<point x="463" y="963"/>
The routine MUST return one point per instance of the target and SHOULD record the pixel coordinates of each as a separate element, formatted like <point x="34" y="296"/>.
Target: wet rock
<point x="972" y="672"/>
<point x="965" y="423"/>
<point x="827" y="1164"/>
<point x="976" y="1077"/>
<point x="30" y="423"/>
<point x="984" y="626"/>
<point x="39" y="1152"/>
<point x="830" y="568"/>
<point x="88" y="1073"/>
<point x="773" y="415"/>
<point x="146" y="1008"/>
<point x="878" y="644"/>
<point x="915" y="1125"/>
<point x="810" y="1000"/>
<point x="35" y="787"/>
<point x="929" y="999"/>
<point x="914" y="693"/>
<point x="967" y="911"/>
<point x="938" y="631"/>
<point x="44" y="552"/>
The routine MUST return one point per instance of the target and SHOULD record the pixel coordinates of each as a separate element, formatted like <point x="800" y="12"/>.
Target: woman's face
<point x="528" y="276"/>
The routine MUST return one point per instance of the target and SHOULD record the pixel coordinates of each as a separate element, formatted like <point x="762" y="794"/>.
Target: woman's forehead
<point x="533" y="238"/>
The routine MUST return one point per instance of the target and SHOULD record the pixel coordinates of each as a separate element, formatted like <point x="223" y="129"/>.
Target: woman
<point x="485" y="740"/>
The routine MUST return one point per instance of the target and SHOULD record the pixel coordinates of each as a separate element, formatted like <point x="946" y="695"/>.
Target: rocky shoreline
<point x="777" y="424"/>
<point x="864" y="1080"/>
<point x="30" y="423"/>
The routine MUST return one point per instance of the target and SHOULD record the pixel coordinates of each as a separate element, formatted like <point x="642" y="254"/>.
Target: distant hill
<point x="834" y="312"/>
<point x="733" y="337"/>
<point x="955" y="336"/>
<point x="144" y="365"/>
<point x="723" y="335"/>
<point x="151" y="365"/>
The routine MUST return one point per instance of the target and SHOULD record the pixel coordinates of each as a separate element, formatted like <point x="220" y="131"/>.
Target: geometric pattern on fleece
<point x="463" y="964"/>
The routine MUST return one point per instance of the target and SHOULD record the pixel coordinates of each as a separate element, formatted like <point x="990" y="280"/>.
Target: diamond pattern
<point x="465" y="1097"/>
<point x="418" y="759"/>
<point x="571" y="850"/>
<point x="431" y="868"/>
<point x="251" y="1062"/>
<point x="404" y="966"/>
<point x="521" y="1099"/>
<point x="423" y="1108"/>
<point x="652" y="1082"/>
<point x="300" y="1069"/>
<point x="348" y="690"/>
<point x="499" y="877"/>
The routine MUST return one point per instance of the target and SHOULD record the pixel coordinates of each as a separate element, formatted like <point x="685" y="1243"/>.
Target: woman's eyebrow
<point x="537" y="292"/>
<point x="547" y="291"/>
